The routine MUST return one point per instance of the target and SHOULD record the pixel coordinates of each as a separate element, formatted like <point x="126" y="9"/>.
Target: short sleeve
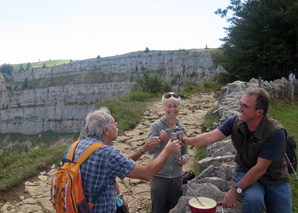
<point x="273" y="147"/>
<point x="119" y="165"/>
<point x="227" y="126"/>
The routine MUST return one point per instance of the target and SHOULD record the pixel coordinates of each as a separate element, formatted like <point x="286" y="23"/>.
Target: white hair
<point x="96" y="121"/>
<point x="173" y="99"/>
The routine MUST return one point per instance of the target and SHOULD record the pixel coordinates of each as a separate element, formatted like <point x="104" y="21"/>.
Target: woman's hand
<point x="182" y="160"/>
<point x="164" y="136"/>
<point x="125" y="204"/>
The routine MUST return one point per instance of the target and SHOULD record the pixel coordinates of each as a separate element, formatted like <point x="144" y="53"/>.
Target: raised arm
<point x="151" y="142"/>
<point x="148" y="171"/>
<point x="204" y="139"/>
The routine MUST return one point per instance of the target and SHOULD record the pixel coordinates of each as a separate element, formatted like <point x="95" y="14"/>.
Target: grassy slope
<point x="50" y="63"/>
<point x="286" y="112"/>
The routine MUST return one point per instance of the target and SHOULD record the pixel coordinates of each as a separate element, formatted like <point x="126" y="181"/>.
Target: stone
<point x="43" y="177"/>
<point x="215" y="161"/>
<point x="225" y="171"/>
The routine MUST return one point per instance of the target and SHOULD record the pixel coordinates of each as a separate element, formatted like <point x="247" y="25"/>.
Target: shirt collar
<point x="96" y="139"/>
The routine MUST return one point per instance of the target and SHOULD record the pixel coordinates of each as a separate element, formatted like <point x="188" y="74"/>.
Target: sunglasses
<point x="169" y="95"/>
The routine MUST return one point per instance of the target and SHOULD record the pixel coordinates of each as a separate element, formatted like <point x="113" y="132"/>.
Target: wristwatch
<point x="238" y="190"/>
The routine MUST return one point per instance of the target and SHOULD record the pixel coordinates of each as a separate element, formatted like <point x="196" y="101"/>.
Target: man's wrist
<point x="120" y="194"/>
<point x="238" y="190"/>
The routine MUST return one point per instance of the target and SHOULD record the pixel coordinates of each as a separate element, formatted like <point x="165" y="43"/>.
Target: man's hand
<point x="164" y="136"/>
<point x="172" y="147"/>
<point x="185" y="140"/>
<point x="230" y="199"/>
<point x="151" y="142"/>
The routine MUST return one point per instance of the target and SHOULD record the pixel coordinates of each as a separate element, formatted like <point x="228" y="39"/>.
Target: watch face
<point x="238" y="190"/>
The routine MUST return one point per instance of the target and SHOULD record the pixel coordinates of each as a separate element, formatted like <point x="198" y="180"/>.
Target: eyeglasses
<point x="169" y="95"/>
<point x="244" y="106"/>
<point x="113" y="124"/>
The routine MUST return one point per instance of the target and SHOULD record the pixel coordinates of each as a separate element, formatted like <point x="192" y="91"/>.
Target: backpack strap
<point x="72" y="150"/>
<point x="86" y="154"/>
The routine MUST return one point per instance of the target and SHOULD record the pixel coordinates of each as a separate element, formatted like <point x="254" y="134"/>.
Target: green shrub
<point x="151" y="83"/>
<point x="191" y="87"/>
<point x="127" y="112"/>
<point x="224" y="78"/>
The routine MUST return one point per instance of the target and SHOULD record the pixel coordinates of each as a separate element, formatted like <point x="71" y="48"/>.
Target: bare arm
<point x="125" y="204"/>
<point x="204" y="139"/>
<point x="255" y="173"/>
<point x="151" y="142"/>
<point x="148" y="171"/>
<point x="252" y="176"/>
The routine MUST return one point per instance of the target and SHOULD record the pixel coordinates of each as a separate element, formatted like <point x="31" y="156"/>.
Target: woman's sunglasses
<point x="169" y="95"/>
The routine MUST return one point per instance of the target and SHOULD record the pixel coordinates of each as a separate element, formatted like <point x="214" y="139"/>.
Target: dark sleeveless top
<point x="248" y="150"/>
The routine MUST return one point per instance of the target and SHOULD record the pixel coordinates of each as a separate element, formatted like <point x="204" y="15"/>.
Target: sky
<point x="41" y="30"/>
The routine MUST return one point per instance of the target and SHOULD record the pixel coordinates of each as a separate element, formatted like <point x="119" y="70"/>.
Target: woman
<point x="166" y="185"/>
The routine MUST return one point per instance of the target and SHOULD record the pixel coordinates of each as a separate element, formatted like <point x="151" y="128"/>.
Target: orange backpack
<point x="67" y="193"/>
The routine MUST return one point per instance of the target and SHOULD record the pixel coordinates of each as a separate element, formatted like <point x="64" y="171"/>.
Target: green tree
<point x="6" y="68"/>
<point x="21" y="67"/>
<point x="262" y="39"/>
<point x="28" y="65"/>
<point x="25" y="85"/>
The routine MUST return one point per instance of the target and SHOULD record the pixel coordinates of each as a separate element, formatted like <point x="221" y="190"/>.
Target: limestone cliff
<point x="63" y="95"/>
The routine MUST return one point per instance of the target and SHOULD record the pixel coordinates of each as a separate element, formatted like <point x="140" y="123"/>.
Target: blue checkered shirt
<point x="100" y="170"/>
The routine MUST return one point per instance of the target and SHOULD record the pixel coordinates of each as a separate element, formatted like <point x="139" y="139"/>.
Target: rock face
<point x="230" y="95"/>
<point x="62" y="108"/>
<point x="58" y="109"/>
<point x="194" y="66"/>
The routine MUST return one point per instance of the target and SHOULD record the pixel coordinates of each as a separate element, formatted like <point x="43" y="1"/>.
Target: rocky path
<point x="36" y="194"/>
